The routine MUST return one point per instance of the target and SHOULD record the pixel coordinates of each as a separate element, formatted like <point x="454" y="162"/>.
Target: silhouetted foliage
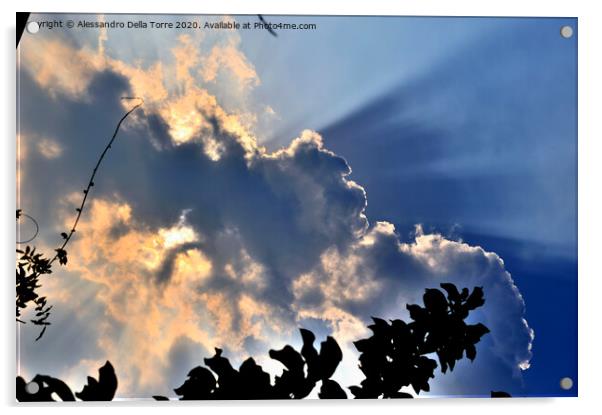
<point x="102" y="389"/>
<point x="302" y="371"/>
<point x="394" y="357"/>
<point x="31" y="265"/>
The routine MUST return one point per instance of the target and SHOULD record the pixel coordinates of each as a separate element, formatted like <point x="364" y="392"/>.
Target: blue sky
<point x="485" y="143"/>
<point x="466" y="126"/>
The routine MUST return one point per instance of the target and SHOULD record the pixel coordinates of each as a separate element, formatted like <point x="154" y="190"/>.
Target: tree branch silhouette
<point x="31" y="265"/>
<point x="61" y="254"/>
<point x="396" y="355"/>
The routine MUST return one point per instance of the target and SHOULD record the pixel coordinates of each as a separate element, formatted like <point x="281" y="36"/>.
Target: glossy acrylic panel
<point x="274" y="207"/>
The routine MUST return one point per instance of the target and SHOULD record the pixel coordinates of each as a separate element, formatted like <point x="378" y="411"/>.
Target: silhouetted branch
<point x="30" y="266"/>
<point x="395" y="356"/>
<point x="61" y="254"/>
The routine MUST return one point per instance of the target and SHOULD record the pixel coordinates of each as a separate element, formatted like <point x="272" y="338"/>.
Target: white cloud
<point x="383" y="274"/>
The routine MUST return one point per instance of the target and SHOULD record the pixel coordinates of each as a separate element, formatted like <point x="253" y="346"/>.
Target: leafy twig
<point x="61" y="253"/>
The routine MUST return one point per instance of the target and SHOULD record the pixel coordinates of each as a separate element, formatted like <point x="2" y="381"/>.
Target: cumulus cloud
<point x="199" y="237"/>
<point x="377" y="274"/>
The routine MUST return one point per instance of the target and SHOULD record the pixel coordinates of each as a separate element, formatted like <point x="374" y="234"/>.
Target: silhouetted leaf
<point x="102" y="389"/>
<point x="471" y="352"/>
<point x="331" y="390"/>
<point x="475" y="299"/>
<point x="289" y="357"/>
<point x="476" y="331"/>
<point x="330" y="357"/>
<point x="452" y="291"/>
<point x="61" y="254"/>
<point x="220" y="364"/>
<point x="199" y="385"/>
<point x="254" y="382"/>
<point x="362" y="345"/>
<point x="160" y="398"/>
<point x="380" y="326"/>
<point x="417" y="313"/>
<point x="310" y="354"/>
<point x="435" y="301"/>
